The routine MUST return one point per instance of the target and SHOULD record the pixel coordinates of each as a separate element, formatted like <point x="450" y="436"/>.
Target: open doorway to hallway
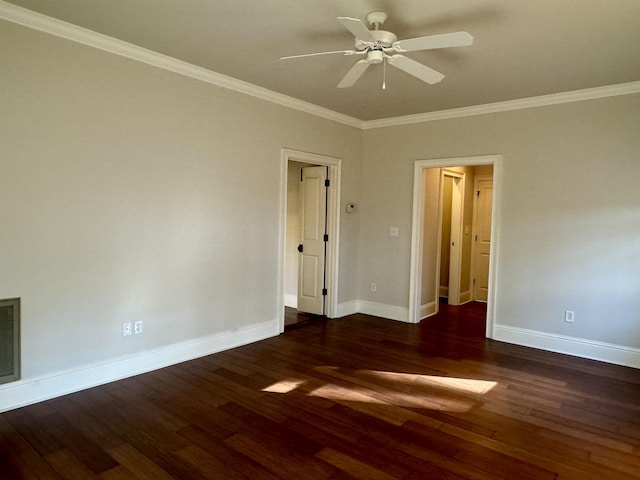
<point x="456" y="236"/>
<point x="453" y="226"/>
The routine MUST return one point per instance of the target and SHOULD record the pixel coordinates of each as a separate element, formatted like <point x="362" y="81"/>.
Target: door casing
<point x="333" y="226"/>
<point x="415" y="274"/>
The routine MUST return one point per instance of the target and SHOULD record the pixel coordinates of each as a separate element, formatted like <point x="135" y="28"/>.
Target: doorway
<point x="426" y="245"/>
<point x="314" y="180"/>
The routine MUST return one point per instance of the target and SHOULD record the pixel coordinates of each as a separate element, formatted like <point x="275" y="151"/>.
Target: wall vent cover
<point x="9" y="340"/>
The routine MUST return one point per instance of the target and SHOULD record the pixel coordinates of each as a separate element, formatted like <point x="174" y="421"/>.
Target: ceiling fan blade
<point x="359" y="30"/>
<point x="343" y="52"/>
<point x="446" y="40"/>
<point x="354" y="74"/>
<point x="416" y="69"/>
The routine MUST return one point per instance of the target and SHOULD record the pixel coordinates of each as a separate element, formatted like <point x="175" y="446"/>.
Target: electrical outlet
<point x="568" y="316"/>
<point x="137" y="327"/>
<point x="373" y="287"/>
<point x="126" y="329"/>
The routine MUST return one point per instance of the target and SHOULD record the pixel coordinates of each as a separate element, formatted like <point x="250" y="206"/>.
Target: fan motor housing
<point x="375" y="56"/>
<point x="383" y="39"/>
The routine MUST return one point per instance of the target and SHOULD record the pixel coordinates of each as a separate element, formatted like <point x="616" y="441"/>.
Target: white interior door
<point x="311" y="265"/>
<point x="482" y="236"/>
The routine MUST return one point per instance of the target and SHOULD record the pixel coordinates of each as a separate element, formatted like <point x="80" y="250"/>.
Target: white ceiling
<point x="523" y="48"/>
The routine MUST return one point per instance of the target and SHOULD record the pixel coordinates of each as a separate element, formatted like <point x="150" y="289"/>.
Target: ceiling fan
<point x="380" y="46"/>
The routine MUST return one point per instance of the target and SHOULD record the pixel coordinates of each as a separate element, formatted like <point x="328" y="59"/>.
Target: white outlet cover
<point x="137" y="327"/>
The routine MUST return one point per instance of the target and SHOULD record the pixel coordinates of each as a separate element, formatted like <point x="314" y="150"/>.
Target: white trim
<point x="26" y="392"/>
<point x="391" y="312"/>
<point x="333" y="225"/>
<point x="465" y="297"/>
<point x="416" y="229"/>
<point x="428" y="309"/>
<point x="348" y="308"/>
<point x="508" y="105"/>
<point x="580" y="347"/>
<point x="290" y="300"/>
<point x="59" y="28"/>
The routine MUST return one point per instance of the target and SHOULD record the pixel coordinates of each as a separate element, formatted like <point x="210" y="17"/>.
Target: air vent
<point x="9" y="340"/>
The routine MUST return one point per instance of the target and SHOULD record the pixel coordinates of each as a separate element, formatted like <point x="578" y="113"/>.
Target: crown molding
<point x="59" y="28"/>
<point x="541" y="101"/>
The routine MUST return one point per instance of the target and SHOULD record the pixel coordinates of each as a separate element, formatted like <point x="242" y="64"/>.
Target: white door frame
<point x="333" y="226"/>
<point x="415" y="275"/>
<point x="457" y="216"/>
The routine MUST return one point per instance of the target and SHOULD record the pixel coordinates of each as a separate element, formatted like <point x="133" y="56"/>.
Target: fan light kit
<point x="381" y="46"/>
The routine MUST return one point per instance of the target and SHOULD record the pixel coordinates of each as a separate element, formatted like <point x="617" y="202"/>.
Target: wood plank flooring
<point x="354" y="398"/>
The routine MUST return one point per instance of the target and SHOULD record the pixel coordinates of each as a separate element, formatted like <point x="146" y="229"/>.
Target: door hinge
<point x="327" y="182"/>
<point x="474" y="281"/>
<point x="300" y="174"/>
<point x="478" y="193"/>
<point x="476" y="239"/>
<point x="326" y="237"/>
<point x="324" y="291"/>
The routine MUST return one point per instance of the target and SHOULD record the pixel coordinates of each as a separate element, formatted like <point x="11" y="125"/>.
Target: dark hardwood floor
<point x="293" y="318"/>
<point x="359" y="397"/>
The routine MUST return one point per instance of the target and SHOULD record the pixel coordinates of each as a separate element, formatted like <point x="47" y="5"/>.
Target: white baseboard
<point x="348" y="308"/>
<point x="465" y="297"/>
<point x="290" y="300"/>
<point x="392" y="312"/>
<point x="579" y="347"/>
<point x="25" y="392"/>
<point x="428" y="309"/>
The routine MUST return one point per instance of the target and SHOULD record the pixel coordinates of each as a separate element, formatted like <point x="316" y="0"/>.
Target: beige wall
<point x="569" y="236"/>
<point x="131" y="193"/>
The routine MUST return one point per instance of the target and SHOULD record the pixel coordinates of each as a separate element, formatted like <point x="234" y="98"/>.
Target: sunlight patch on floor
<point x="407" y="390"/>
<point x="391" y="398"/>
<point x="284" y="386"/>
<point x="467" y="385"/>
